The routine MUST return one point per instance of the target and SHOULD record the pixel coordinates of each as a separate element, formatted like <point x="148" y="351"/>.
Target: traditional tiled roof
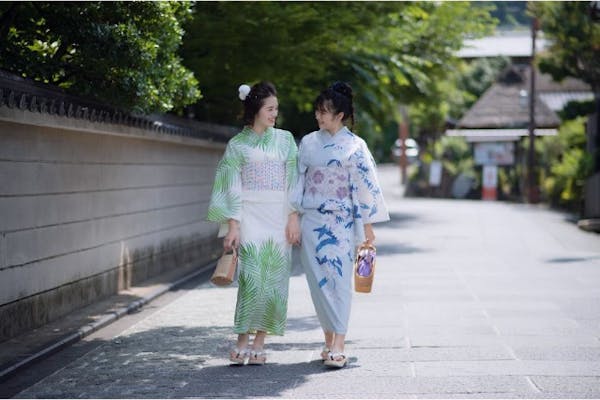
<point x="25" y="94"/>
<point x="503" y="105"/>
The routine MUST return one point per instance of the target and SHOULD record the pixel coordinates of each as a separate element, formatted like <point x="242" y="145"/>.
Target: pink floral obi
<point x="326" y="184"/>
<point x="265" y="175"/>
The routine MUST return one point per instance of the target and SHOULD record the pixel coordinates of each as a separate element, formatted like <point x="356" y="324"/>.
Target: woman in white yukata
<point x="340" y="200"/>
<point x="250" y="199"/>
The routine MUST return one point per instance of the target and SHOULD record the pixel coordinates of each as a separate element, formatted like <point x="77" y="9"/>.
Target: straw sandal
<point x="257" y="357"/>
<point x="336" y="360"/>
<point x="325" y="353"/>
<point x="238" y="356"/>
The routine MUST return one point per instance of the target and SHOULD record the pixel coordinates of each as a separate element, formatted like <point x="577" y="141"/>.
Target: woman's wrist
<point x="233" y="224"/>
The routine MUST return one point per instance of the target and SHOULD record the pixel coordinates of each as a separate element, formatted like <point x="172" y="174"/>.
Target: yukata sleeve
<point x="366" y="189"/>
<point x="226" y="201"/>
<point x="291" y="174"/>
<point x="296" y="191"/>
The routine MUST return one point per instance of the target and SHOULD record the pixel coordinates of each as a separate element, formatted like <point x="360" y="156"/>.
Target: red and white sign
<point x="490" y="182"/>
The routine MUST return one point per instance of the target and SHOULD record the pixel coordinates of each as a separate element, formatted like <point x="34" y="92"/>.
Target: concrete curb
<point x="86" y="330"/>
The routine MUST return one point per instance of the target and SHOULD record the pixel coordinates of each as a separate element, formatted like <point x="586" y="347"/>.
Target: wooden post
<point x="403" y="135"/>
<point x="532" y="186"/>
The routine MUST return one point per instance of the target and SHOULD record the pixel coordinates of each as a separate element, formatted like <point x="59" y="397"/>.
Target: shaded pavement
<point x="471" y="299"/>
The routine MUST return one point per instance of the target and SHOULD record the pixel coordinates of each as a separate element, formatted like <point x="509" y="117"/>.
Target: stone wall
<point x="91" y="208"/>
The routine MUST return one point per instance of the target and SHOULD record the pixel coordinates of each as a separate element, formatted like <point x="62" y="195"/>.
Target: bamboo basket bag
<point x="225" y="270"/>
<point x="364" y="267"/>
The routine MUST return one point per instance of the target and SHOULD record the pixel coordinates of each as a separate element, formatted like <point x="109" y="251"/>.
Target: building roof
<point x="505" y="104"/>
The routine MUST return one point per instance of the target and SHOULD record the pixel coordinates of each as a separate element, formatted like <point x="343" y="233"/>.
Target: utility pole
<point x="532" y="187"/>
<point x="403" y="135"/>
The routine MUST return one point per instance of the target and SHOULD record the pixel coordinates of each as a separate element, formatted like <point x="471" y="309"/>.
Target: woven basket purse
<point x="225" y="270"/>
<point x="364" y="268"/>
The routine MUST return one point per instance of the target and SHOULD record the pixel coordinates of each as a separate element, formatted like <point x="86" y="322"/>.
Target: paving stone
<point x="471" y="300"/>
<point x="569" y="386"/>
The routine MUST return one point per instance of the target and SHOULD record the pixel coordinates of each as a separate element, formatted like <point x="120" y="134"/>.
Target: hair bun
<point x="342" y="88"/>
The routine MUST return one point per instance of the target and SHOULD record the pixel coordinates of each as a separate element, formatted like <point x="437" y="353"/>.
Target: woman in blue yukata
<point x="341" y="199"/>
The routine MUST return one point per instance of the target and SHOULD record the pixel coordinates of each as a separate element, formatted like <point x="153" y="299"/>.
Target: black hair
<point x="337" y="98"/>
<point x="256" y="99"/>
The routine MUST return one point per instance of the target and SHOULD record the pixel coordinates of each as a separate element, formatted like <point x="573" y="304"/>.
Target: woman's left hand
<point x="292" y="229"/>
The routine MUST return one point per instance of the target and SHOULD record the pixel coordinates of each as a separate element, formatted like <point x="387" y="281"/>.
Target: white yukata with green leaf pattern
<point x="252" y="186"/>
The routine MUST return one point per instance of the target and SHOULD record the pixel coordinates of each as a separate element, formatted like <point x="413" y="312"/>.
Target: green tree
<point x="574" y="34"/>
<point x="123" y="53"/>
<point x="390" y="52"/>
<point x="510" y="14"/>
<point x="573" y="29"/>
<point x="565" y="164"/>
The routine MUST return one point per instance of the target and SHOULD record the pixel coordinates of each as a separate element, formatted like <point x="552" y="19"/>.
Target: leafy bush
<point x="456" y="157"/>
<point x="565" y="165"/>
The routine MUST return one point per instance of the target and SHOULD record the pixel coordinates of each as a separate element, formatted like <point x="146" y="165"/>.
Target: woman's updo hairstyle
<point x="337" y="98"/>
<point x="255" y="99"/>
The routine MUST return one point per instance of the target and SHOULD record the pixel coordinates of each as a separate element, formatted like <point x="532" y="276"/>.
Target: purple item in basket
<point x="365" y="262"/>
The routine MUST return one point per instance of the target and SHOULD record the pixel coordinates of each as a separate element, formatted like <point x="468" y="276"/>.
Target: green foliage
<point x="565" y="164"/>
<point x="480" y="73"/>
<point x="452" y="96"/>
<point x="456" y="156"/>
<point x="575" y="40"/>
<point x="510" y="14"/>
<point x="390" y="52"/>
<point x="574" y="109"/>
<point x="123" y="53"/>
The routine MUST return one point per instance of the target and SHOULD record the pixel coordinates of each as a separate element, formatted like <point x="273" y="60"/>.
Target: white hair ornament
<point x="243" y="90"/>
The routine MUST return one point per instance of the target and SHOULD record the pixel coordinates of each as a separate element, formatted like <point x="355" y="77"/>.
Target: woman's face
<point x="327" y="120"/>
<point x="267" y="114"/>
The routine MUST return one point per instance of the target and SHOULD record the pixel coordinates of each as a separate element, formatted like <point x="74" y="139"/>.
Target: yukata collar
<point x="251" y="131"/>
<point x="255" y="138"/>
<point x="335" y="136"/>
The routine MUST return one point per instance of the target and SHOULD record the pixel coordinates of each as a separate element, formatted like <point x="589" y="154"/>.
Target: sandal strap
<point x="240" y="352"/>
<point x="335" y="355"/>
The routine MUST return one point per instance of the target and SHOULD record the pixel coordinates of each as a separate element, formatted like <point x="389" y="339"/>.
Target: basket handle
<point x="367" y="245"/>
<point x="233" y="250"/>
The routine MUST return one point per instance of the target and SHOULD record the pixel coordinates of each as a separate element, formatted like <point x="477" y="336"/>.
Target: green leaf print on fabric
<point x="223" y="206"/>
<point x="227" y="172"/>
<point x="276" y="306"/>
<point x="291" y="169"/>
<point x="225" y="202"/>
<point x="246" y="300"/>
<point x="263" y="288"/>
<point x="265" y="142"/>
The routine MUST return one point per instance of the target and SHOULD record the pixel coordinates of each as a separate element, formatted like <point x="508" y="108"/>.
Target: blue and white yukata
<point x="340" y="193"/>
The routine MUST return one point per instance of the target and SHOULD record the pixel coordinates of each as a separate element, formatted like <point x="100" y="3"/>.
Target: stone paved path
<point x="471" y="299"/>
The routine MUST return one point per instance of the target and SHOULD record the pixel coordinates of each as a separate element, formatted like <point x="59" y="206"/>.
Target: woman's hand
<point x="369" y="234"/>
<point x="292" y="229"/>
<point x="232" y="239"/>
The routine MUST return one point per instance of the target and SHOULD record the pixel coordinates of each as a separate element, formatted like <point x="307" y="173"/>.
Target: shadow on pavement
<point x="174" y="361"/>
<point x="269" y="380"/>
<point x="387" y="249"/>
<point x="398" y="220"/>
<point x="565" y="260"/>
